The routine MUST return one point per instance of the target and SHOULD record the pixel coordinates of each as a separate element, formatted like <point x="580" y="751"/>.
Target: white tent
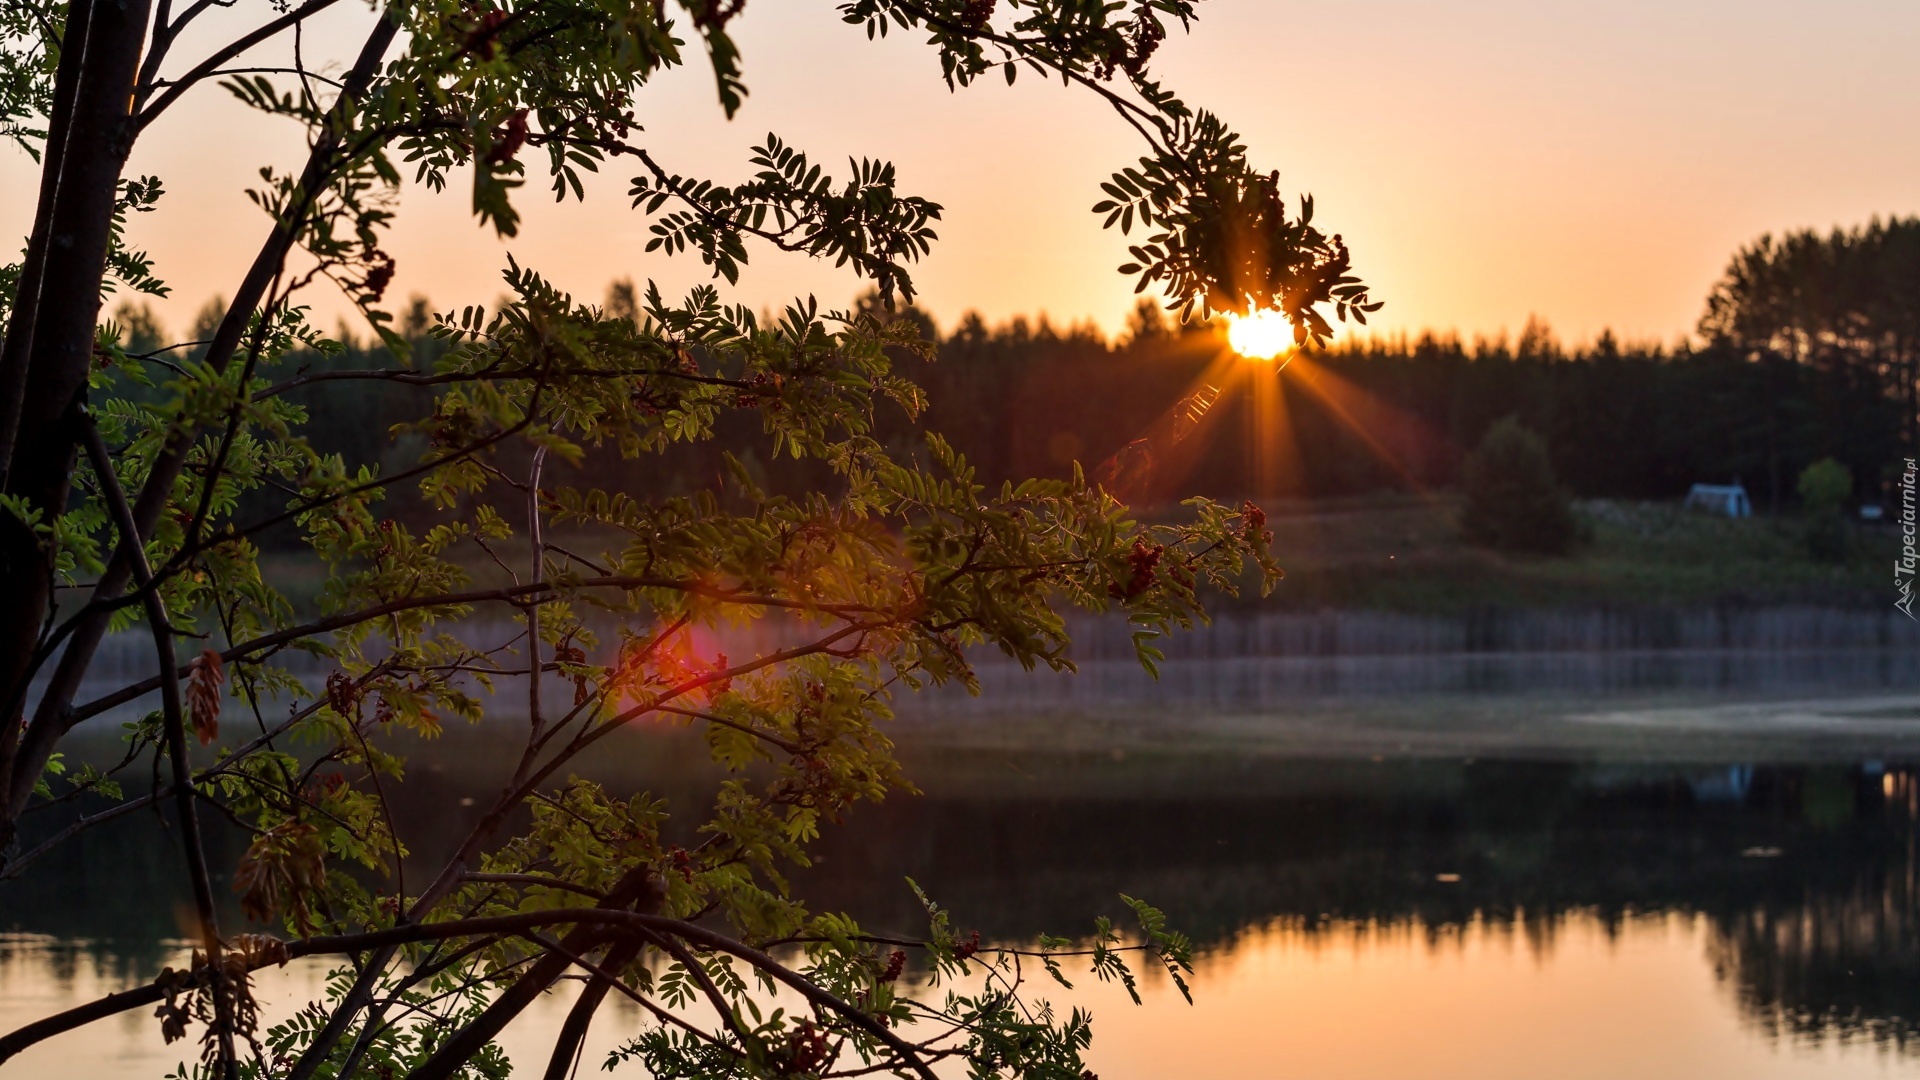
<point x="1727" y="500"/>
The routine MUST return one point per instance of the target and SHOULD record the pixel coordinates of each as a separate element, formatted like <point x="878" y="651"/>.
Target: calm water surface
<point x="1568" y="909"/>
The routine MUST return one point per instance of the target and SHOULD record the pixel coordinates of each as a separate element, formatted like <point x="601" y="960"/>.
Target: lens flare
<point x="1262" y="335"/>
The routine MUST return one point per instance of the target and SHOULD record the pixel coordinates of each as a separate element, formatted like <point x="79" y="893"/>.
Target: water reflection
<point x="1793" y="886"/>
<point x="1774" y="904"/>
<point x="1480" y="1001"/>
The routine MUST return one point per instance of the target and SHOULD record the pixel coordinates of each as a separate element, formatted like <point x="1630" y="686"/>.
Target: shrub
<point x="1512" y="500"/>
<point x="1824" y="488"/>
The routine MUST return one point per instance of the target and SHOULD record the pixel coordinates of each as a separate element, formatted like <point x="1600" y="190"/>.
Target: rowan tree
<point x="133" y="482"/>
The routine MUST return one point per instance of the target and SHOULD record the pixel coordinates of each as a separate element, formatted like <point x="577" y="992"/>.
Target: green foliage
<point x="31" y="33"/>
<point x="1824" y="489"/>
<point x="397" y="1050"/>
<point x="1512" y="501"/>
<point x="1225" y="242"/>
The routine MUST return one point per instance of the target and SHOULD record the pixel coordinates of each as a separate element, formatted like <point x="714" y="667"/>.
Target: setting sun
<point x="1262" y="335"/>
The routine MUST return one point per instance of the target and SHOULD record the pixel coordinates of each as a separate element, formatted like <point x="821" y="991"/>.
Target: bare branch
<point x="212" y="64"/>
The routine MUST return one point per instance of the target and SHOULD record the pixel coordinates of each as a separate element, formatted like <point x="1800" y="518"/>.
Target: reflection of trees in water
<point x="1806" y="876"/>
<point x="29" y="962"/>
<point x="1528" y="840"/>
<point x="1835" y="967"/>
<point x="1845" y="962"/>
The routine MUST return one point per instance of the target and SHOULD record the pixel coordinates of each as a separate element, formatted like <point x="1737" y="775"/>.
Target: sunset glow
<point x="1262" y="335"/>
<point x="1591" y="165"/>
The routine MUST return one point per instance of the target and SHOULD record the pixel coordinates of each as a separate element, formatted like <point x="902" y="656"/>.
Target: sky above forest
<point x="1594" y="164"/>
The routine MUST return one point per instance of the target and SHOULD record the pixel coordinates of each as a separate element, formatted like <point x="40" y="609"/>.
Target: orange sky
<point x="1594" y="163"/>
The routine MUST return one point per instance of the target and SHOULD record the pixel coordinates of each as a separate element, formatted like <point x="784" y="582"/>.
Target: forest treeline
<point x="1807" y="351"/>
<point x="1639" y="421"/>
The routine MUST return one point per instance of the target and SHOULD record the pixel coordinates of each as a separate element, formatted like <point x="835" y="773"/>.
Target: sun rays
<point x="1267" y="431"/>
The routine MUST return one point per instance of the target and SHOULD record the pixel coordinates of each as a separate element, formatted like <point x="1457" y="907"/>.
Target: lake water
<point x="1509" y="876"/>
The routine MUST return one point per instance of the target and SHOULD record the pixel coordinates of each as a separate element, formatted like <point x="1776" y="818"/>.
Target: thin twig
<point x="134" y="550"/>
<point x="175" y="88"/>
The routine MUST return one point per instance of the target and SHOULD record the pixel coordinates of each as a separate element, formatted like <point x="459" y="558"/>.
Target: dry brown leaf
<point x="204" y="679"/>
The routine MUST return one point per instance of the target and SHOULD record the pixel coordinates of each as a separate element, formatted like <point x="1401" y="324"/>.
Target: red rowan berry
<point x="379" y="274"/>
<point x="717" y="13"/>
<point x="1143" y="562"/>
<point x="508" y="142"/>
<point x="342" y="695"/>
<point x="480" y="38"/>
<point x="683" y="863"/>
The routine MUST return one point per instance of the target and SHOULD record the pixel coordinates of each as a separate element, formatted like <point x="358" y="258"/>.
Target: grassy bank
<point x="1405" y="554"/>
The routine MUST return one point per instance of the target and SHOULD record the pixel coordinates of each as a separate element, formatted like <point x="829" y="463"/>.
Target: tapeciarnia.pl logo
<point x="1903" y="568"/>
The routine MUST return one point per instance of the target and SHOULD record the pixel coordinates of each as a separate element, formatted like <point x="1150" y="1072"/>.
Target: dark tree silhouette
<point x="1847" y="302"/>
<point x="1512" y="500"/>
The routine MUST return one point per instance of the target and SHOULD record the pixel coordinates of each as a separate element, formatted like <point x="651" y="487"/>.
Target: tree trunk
<point x="21" y="760"/>
<point x="562" y="1062"/>
<point x="50" y="338"/>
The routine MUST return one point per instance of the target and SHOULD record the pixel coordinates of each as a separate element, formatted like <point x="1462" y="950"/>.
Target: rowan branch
<point x="146" y="114"/>
<point x="517" y="924"/>
<point x="417" y="378"/>
<point x="176" y="737"/>
<point x="511" y="594"/>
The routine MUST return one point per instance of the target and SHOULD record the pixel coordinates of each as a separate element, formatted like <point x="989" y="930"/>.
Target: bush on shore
<point x="1513" y="502"/>
<point x="1825" y="486"/>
